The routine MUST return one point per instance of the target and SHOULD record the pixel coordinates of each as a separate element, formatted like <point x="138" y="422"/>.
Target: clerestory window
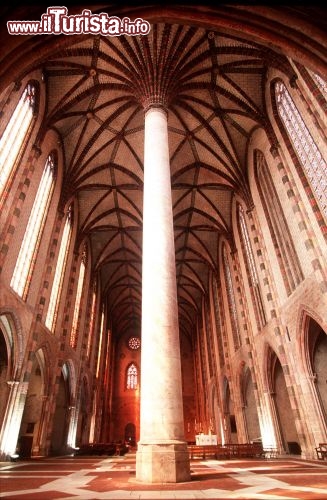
<point x="279" y="231"/>
<point x="80" y="283"/>
<point x="322" y="84"/>
<point x="15" y="133"/>
<point x="307" y="151"/>
<point x="251" y="269"/>
<point x="57" y="284"/>
<point x="92" y="319"/>
<point x="231" y="301"/>
<point x="25" y="263"/>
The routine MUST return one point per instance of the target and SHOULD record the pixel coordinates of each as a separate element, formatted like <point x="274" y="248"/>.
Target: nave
<point x="163" y="230"/>
<point x="104" y="478"/>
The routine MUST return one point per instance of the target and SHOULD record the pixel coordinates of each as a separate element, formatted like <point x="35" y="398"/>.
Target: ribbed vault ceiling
<point x="213" y="87"/>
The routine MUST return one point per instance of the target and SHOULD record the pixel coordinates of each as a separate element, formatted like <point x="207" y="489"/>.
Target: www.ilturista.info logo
<point x="56" y="21"/>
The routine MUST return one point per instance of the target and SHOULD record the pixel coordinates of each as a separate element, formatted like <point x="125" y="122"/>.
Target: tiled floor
<point x="92" y="478"/>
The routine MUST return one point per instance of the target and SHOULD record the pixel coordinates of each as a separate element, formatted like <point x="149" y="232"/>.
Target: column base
<point x="163" y="463"/>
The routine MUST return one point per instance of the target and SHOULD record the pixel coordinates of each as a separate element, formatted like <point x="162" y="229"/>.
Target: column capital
<point x="11" y="383"/>
<point x="156" y="102"/>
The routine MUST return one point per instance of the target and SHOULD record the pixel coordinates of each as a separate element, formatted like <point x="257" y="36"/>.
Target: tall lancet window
<point x="92" y="319"/>
<point x="15" y="134"/>
<point x="219" y="329"/>
<point x="52" y="312"/>
<point x="231" y="301"/>
<point x="99" y="357"/>
<point x="80" y="283"/>
<point x="307" y="151"/>
<point x="131" y="377"/>
<point x="28" y="251"/>
<point x="279" y="231"/>
<point x="251" y="270"/>
<point x="320" y="82"/>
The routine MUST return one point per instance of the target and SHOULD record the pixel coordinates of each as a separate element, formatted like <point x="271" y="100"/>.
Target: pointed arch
<point x="231" y="299"/>
<point x="69" y="374"/>
<point x="132" y="376"/>
<point x="278" y="227"/>
<point x="17" y="132"/>
<point x="308" y="159"/>
<point x="13" y="335"/>
<point x="74" y="337"/>
<point x="270" y="358"/>
<point x="26" y="260"/>
<point x="251" y="268"/>
<point x="57" y="283"/>
<point x="313" y="352"/>
<point x="306" y="341"/>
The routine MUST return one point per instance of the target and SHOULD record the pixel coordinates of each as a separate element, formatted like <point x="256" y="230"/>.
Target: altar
<point x="205" y="439"/>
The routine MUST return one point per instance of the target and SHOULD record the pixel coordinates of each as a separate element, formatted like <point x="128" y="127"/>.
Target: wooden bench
<point x="102" y="449"/>
<point x="226" y="451"/>
<point x="208" y="451"/>
<point x="245" y="450"/>
<point x="321" y="451"/>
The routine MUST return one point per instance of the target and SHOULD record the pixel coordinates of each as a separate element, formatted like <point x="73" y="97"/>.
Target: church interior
<point x="163" y="231"/>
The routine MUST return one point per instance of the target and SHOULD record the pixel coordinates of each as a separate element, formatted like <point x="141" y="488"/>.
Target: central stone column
<point x="162" y="455"/>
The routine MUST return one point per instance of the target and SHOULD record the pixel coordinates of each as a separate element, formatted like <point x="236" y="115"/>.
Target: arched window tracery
<point x="322" y="84"/>
<point x="279" y="231"/>
<point x="92" y="318"/>
<point x="15" y="133"/>
<point x="26" y="259"/>
<point x="79" y="291"/>
<point x="231" y="300"/>
<point x="309" y="155"/>
<point x="251" y="269"/>
<point x="132" y="377"/>
<point x="57" y="284"/>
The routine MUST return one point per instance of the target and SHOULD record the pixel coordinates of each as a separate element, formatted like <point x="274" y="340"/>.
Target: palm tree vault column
<point x="162" y="455"/>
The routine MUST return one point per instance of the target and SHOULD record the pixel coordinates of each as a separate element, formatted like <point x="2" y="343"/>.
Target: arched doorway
<point x="12" y="393"/>
<point x="82" y="432"/>
<point x="230" y="420"/>
<point x="130" y="434"/>
<point x="316" y="342"/>
<point x="250" y="408"/>
<point x="61" y="416"/>
<point x="3" y="376"/>
<point x="283" y="408"/>
<point x="31" y="423"/>
<point x="215" y="424"/>
<point x="320" y="369"/>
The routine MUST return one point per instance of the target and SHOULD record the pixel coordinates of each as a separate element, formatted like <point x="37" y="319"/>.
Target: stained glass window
<point x="74" y="330"/>
<point x="277" y="223"/>
<point x="100" y="343"/>
<point x="131" y="382"/>
<point x="251" y="269"/>
<point x="92" y="320"/>
<point x="308" y="153"/>
<point x="218" y="323"/>
<point x="27" y="255"/>
<point x="14" y="134"/>
<point x="320" y="82"/>
<point x="231" y="300"/>
<point x="134" y="343"/>
<point x="248" y="248"/>
<point x="52" y="312"/>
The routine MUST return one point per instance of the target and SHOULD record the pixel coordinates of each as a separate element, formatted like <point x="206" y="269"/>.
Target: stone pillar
<point x="162" y="455"/>
<point x="12" y="419"/>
